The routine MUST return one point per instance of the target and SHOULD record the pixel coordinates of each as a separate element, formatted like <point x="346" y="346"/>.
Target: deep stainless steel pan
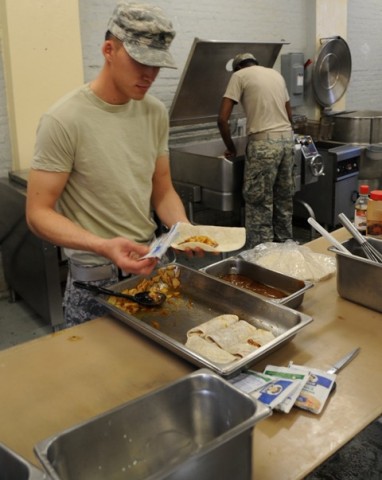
<point x="202" y="298"/>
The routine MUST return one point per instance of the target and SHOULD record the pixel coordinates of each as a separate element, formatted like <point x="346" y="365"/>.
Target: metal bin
<point x="15" y="467"/>
<point x="359" y="279"/>
<point x="199" y="427"/>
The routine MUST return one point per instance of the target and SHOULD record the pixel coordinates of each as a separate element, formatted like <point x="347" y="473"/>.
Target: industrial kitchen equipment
<point x="342" y="155"/>
<point x="201" y="174"/>
<point x="336" y="191"/>
<point x="362" y="128"/>
<point x="310" y="165"/>
<point x="34" y="269"/>
<point x="330" y="79"/>
<point x="331" y="71"/>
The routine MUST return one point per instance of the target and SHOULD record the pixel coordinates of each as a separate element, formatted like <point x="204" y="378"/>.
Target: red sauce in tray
<point x="244" y="282"/>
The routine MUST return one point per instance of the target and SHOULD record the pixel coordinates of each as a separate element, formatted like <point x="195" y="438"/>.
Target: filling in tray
<point x="258" y="280"/>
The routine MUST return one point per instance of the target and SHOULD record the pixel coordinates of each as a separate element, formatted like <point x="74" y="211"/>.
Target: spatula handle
<point x="327" y="235"/>
<point x="351" y="228"/>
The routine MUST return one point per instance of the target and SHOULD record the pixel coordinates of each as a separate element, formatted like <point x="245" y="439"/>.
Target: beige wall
<point x="42" y="61"/>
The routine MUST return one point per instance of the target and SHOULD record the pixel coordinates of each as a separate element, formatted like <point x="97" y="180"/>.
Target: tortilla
<point x="242" y="349"/>
<point x="232" y="335"/>
<point x="225" y="338"/>
<point x="261" y="337"/>
<point x="209" y="350"/>
<point x="217" y="323"/>
<point x="227" y="238"/>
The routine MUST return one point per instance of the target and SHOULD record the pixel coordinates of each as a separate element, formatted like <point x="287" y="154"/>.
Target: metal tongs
<point x="146" y="299"/>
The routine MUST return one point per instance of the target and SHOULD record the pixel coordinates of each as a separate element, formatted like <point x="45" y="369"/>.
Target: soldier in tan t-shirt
<point x="101" y="162"/>
<point x="268" y="178"/>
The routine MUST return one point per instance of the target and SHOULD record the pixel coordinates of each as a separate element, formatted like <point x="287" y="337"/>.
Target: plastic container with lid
<point x="374" y="214"/>
<point x="360" y="209"/>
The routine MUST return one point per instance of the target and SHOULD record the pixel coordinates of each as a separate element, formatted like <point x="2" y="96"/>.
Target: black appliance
<point x="336" y="190"/>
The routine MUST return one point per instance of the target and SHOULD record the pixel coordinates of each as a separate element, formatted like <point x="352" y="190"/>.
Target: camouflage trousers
<point x="268" y="191"/>
<point x="81" y="305"/>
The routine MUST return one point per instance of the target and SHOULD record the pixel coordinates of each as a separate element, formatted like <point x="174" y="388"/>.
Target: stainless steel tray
<point x="204" y="297"/>
<point x="14" y="467"/>
<point x="293" y="288"/>
<point x="359" y="279"/>
<point x="162" y="436"/>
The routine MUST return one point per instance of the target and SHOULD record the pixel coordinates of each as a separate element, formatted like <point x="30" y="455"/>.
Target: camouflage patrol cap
<point x="145" y="32"/>
<point x="241" y="57"/>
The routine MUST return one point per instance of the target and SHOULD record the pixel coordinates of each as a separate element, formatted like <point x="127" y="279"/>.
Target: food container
<point x="15" y="467"/>
<point x="203" y="297"/>
<point x="293" y="288"/>
<point x="199" y="427"/>
<point x="374" y="214"/>
<point x="359" y="279"/>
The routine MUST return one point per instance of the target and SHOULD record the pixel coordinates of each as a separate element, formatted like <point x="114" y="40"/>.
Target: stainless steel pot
<point x="360" y="126"/>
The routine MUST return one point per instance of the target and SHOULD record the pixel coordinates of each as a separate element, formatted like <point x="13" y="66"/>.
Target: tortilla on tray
<point x="226" y="338"/>
<point x="212" y="238"/>
<point x="209" y="350"/>
<point x="217" y="323"/>
<point x="236" y="333"/>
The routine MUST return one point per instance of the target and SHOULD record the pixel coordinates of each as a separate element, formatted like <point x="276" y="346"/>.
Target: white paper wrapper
<point x="316" y="391"/>
<point x="160" y="245"/>
<point x="298" y="376"/>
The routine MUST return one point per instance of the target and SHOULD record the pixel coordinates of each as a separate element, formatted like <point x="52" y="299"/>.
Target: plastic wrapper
<point x="292" y="259"/>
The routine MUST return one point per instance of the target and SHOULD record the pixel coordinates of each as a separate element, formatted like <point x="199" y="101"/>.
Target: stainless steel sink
<point x="14" y="467"/>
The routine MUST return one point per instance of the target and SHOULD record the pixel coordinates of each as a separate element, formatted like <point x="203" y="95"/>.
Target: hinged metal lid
<point x="331" y="71"/>
<point x="206" y="75"/>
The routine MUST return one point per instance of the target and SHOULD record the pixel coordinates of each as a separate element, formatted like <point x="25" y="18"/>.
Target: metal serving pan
<point x="202" y="298"/>
<point x="359" y="279"/>
<point x="199" y="426"/>
<point x="15" y="467"/>
<point x="293" y="288"/>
